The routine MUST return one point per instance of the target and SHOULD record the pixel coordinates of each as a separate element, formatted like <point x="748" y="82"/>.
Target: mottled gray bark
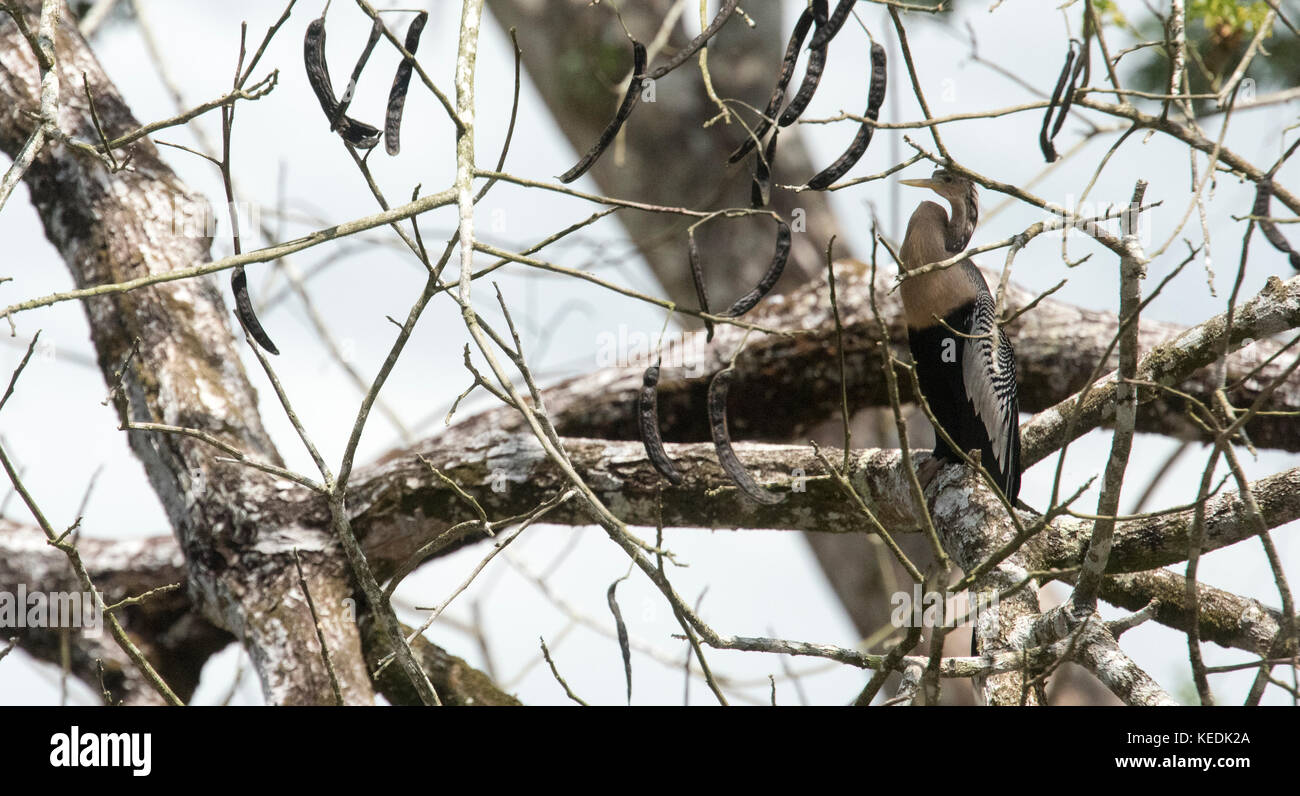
<point x="110" y="227"/>
<point x="785" y="385"/>
<point x="168" y="629"/>
<point x="170" y="634"/>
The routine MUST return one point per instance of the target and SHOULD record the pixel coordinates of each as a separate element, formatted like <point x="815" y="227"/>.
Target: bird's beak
<point x="926" y="183"/>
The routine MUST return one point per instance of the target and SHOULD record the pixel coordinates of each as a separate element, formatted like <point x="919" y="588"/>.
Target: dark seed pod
<point x="701" y="289"/>
<point x="401" y="82"/>
<point x="854" y="153"/>
<point x="1068" y="99"/>
<point x="647" y="412"/>
<point x="624" y="111"/>
<point x="313" y="58"/>
<point x="812" y="75"/>
<point x="244" y="308"/>
<point x="782" y="252"/>
<point x="879" y="81"/>
<point x="782" y="83"/>
<point x="359" y="134"/>
<point x="718" y="389"/>
<point x="1062" y="95"/>
<point x="620" y="626"/>
<point x="833" y="24"/>
<point x="376" y="30"/>
<point x="761" y="191"/>
<point x="1263" y="198"/>
<point x="725" y="11"/>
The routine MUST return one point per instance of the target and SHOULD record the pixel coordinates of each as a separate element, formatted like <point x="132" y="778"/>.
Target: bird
<point x="964" y="361"/>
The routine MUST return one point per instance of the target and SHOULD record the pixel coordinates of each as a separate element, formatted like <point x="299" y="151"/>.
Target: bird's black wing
<point x="989" y="375"/>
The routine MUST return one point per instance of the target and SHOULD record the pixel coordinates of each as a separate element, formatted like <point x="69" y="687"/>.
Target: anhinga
<point x="963" y="360"/>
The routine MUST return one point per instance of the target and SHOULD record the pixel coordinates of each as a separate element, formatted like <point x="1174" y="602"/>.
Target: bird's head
<point x="960" y="193"/>
<point x="951" y="186"/>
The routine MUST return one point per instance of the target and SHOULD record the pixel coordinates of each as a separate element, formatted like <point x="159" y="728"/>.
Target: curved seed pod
<point x="782" y="83"/>
<point x="701" y="289"/>
<point x="812" y="75"/>
<point x="359" y="134"/>
<point x="647" y="413"/>
<point x="1263" y="198"/>
<point x="833" y="24"/>
<point x="725" y="11"/>
<point x="624" y="111"/>
<point x="1068" y="98"/>
<point x="782" y="252"/>
<point x="244" y="307"/>
<point x="761" y="191"/>
<point x="621" y="627"/>
<point x="1044" y="138"/>
<point x="313" y="58"/>
<point x="854" y="153"/>
<point x="718" y="389"/>
<point x="376" y="30"/>
<point x="819" y="11"/>
<point x="879" y="81"/>
<point x="401" y="82"/>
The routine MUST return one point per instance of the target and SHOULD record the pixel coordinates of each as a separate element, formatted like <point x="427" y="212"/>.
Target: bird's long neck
<point x="965" y="215"/>
<point x="937" y="293"/>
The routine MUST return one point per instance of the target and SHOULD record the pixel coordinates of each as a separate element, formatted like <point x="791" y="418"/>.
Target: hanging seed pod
<point x="401" y="82"/>
<point x="782" y="252"/>
<point x="313" y="58"/>
<point x="718" y="389"/>
<point x="812" y="75"/>
<point x="761" y="191"/>
<point x="1062" y="96"/>
<point x="836" y="21"/>
<point x="782" y="83"/>
<point x="648" y="423"/>
<point x="725" y="11"/>
<point x="244" y="308"/>
<point x="359" y="134"/>
<point x="1264" y="198"/>
<point x="701" y="289"/>
<point x="875" y="97"/>
<point x="376" y="30"/>
<point x="1068" y="99"/>
<point x="624" y="111"/>
<point x="624" y="647"/>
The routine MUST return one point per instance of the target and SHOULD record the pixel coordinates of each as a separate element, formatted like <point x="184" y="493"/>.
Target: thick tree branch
<point x="168" y="629"/>
<point x="786" y="385"/>
<point x="164" y="627"/>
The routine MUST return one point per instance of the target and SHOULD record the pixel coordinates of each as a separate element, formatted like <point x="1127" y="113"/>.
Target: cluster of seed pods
<point x="826" y="25"/>
<point x="357" y="133"/>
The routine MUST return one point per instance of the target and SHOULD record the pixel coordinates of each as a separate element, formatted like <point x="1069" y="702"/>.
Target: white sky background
<point x="758" y="583"/>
